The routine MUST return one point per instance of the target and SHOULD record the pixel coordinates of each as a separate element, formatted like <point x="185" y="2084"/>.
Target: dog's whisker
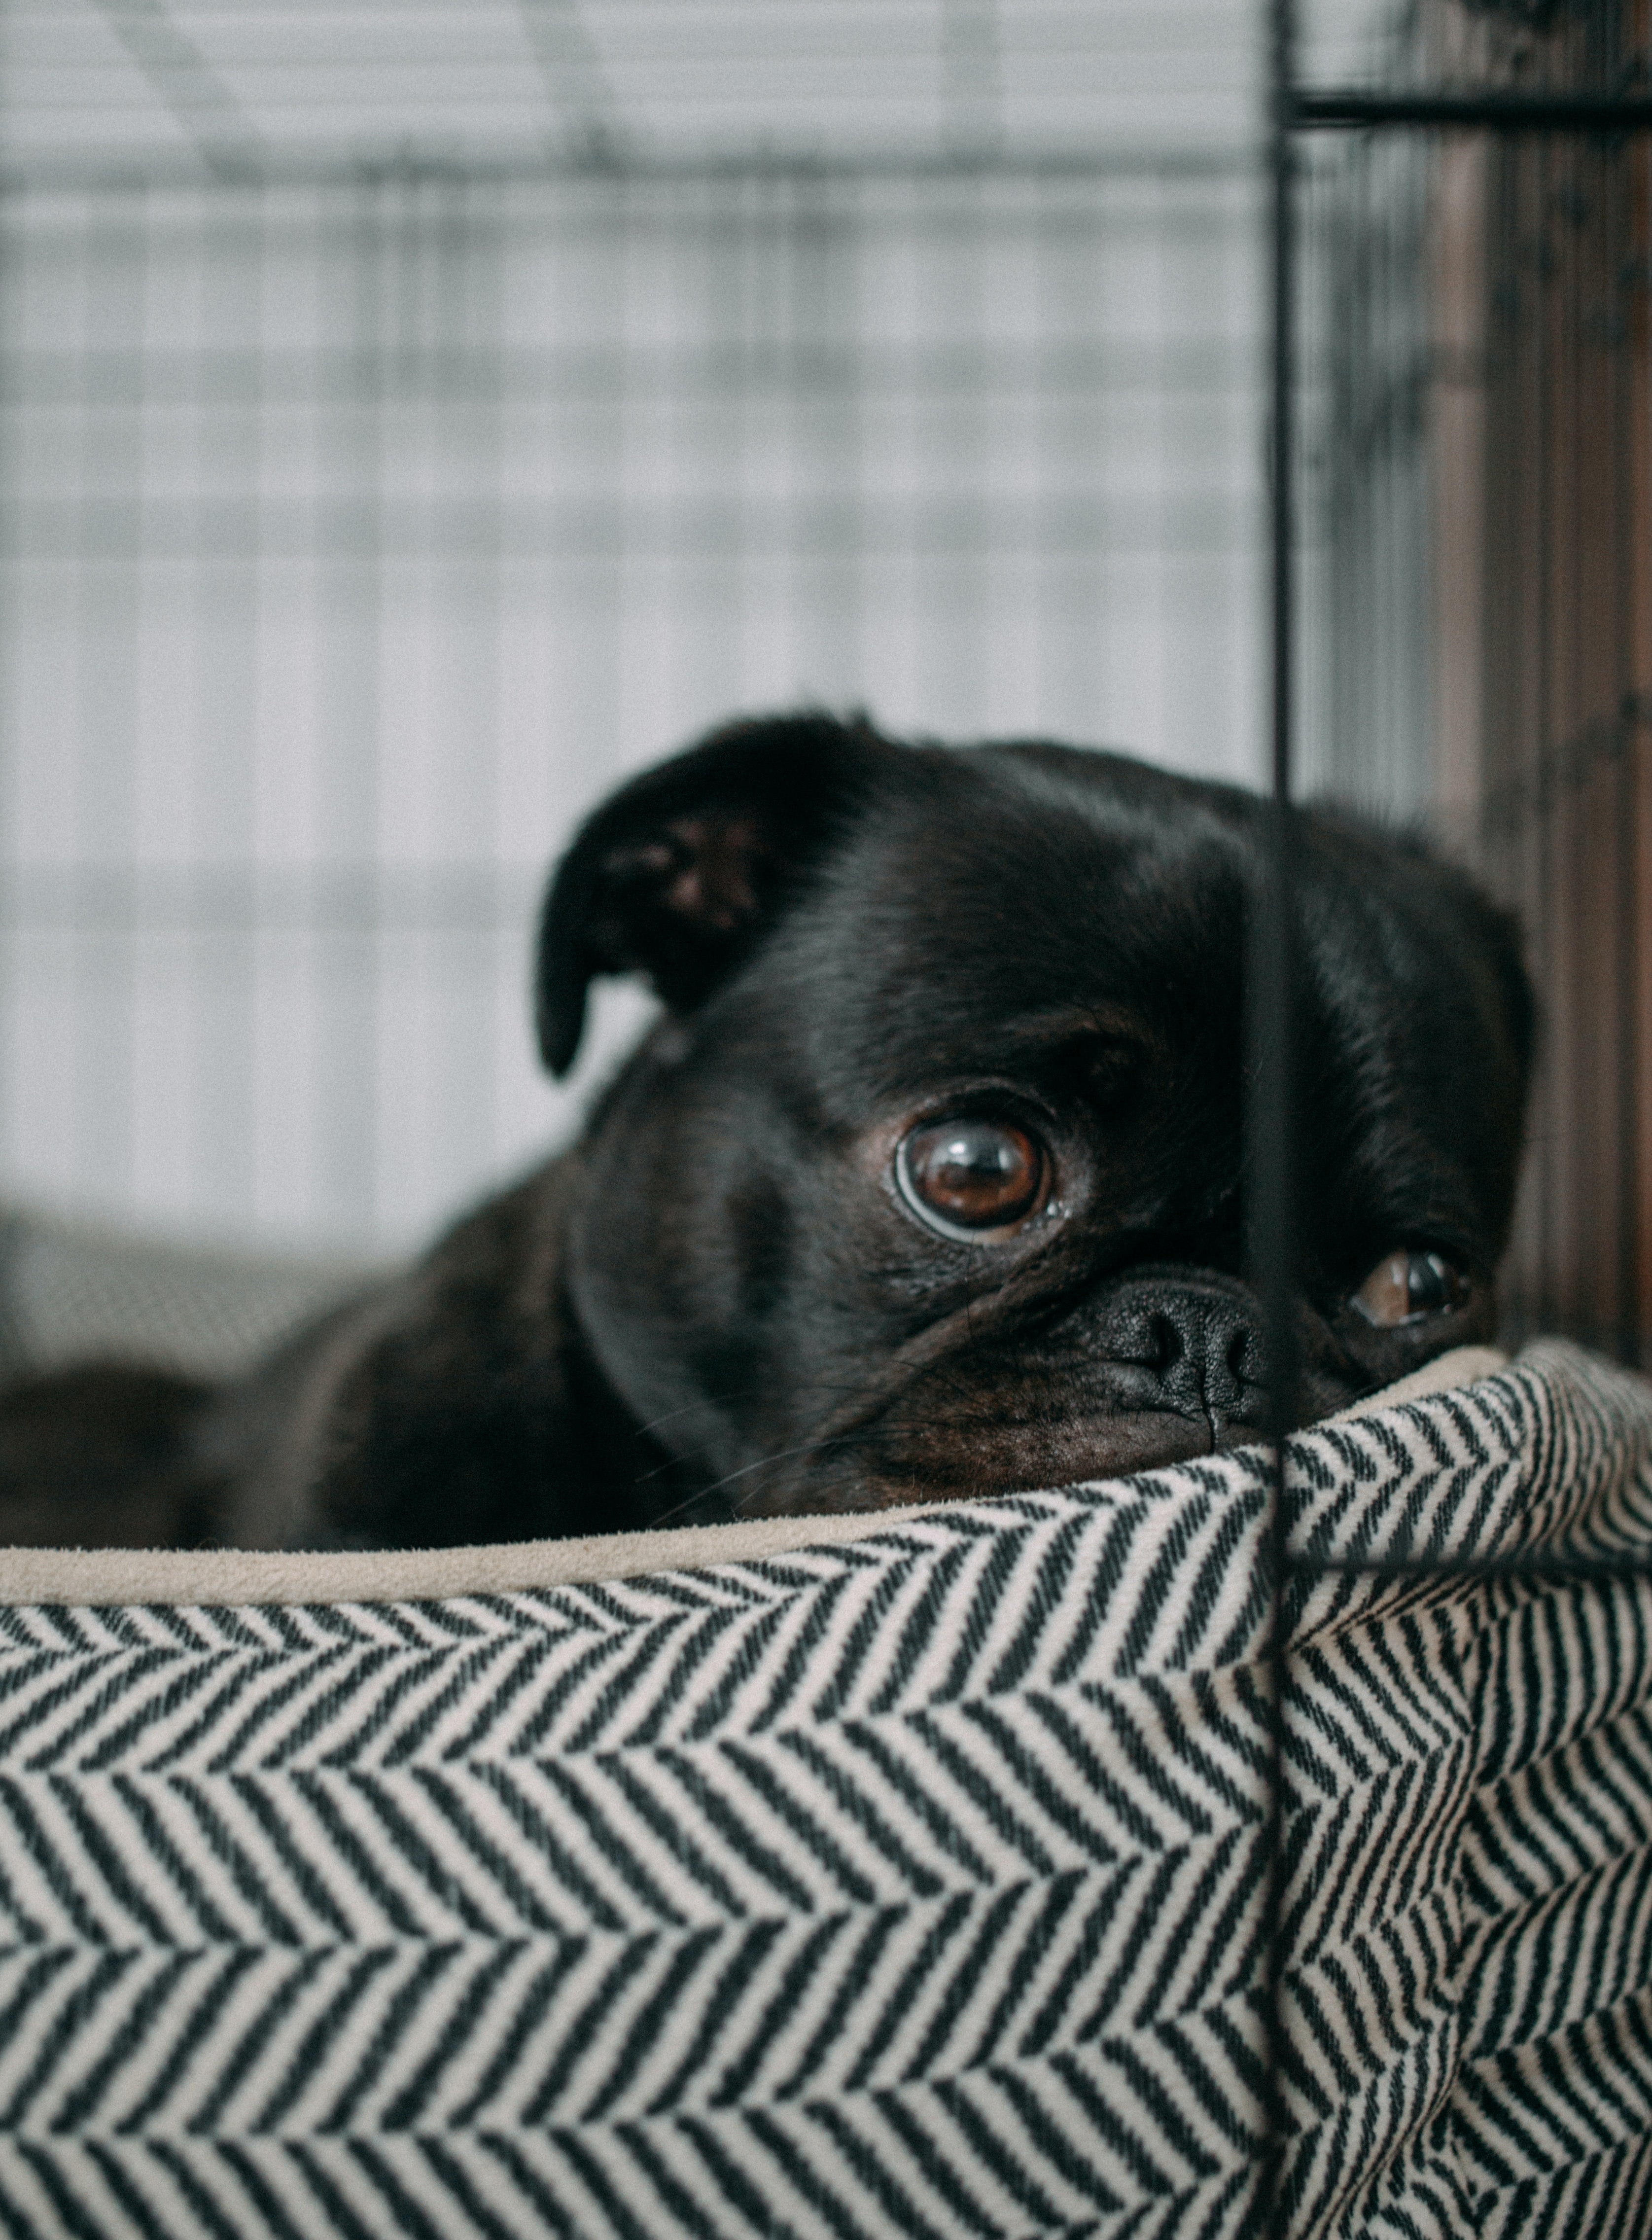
<point x="705" y="1492"/>
<point x="782" y="1454"/>
<point x="647" y="1478"/>
<point x="673" y="1461"/>
<point x="727" y="1399"/>
<point x="942" y="1372"/>
<point x="676" y="1509"/>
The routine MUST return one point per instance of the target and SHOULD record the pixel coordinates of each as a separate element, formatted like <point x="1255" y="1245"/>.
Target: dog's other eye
<point x="964" y="1178"/>
<point x="1407" y="1286"/>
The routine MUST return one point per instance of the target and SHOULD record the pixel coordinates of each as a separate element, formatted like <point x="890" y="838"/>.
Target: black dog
<point x="932" y="1180"/>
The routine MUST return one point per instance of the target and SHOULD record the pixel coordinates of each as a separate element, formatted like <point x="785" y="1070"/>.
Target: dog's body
<point x="931" y="1180"/>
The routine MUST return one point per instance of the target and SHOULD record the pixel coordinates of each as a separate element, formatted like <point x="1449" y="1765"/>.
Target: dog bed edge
<point x="220" y="1577"/>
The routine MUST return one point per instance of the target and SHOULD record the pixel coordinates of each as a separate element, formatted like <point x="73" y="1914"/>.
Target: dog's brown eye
<point x="1409" y="1285"/>
<point x="966" y="1176"/>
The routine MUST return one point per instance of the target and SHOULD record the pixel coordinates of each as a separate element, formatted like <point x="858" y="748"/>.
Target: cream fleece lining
<point x="103" y="1576"/>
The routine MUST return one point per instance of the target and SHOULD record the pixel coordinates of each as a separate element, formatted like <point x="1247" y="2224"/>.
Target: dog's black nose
<point x="1196" y="1345"/>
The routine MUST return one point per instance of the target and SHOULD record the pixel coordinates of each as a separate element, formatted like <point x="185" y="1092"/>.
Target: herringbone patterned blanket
<point x="912" y="1886"/>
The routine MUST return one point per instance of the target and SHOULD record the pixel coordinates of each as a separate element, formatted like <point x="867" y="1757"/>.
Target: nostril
<point x="1239" y="1356"/>
<point x="1167" y="1342"/>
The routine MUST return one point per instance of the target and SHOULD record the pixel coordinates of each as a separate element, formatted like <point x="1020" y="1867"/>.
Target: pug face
<point x="934" y="1177"/>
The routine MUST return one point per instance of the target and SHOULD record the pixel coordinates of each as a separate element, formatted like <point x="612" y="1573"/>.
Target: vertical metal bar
<point x="1547" y="934"/>
<point x="1505" y="648"/>
<point x="107" y="984"/>
<point x="460" y="344"/>
<point x="13" y="239"/>
<point x="347" y="848"/>
<point x="223" y="964"/>
<point x="1626" y="842"/>
<point x="1270" y="1115"/>
<point x="1377" y="222"/>
<point x="1579" y="1290"/>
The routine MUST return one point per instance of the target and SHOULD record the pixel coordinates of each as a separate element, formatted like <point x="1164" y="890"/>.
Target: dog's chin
<point x="930" y="1464"/>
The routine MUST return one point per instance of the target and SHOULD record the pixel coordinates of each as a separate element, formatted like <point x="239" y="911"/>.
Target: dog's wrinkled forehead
<point x="961" y="931"/>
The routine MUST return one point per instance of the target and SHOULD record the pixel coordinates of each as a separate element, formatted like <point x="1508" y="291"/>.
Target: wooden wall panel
<point x="1540" y="468"/>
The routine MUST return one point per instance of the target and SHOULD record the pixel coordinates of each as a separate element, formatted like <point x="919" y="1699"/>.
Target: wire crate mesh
<point x="412" y="422"/>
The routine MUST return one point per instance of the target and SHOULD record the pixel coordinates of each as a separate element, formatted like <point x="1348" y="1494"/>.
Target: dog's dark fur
<point x="721" y="1300"/>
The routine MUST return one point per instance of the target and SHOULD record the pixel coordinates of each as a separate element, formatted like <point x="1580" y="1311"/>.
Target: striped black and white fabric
<point x="911" y="1886"/>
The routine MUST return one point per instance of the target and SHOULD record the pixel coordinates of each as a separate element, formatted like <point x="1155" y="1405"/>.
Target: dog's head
<point x="933" y="1177"/>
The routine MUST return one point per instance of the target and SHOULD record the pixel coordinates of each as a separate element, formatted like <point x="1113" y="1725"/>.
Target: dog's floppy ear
<point x="678" y="873"/>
